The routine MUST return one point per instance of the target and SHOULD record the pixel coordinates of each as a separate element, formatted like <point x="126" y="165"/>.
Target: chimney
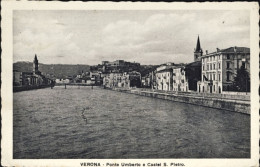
<point x="206" y="52"/>
<point x="217" y="49"/>
<point x="235" y="49"/>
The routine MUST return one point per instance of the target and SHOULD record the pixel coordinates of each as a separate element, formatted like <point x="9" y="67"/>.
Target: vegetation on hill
<point x="57" y="70"/>
<point x="65" y="70"/>
<point x="146" y="69"/>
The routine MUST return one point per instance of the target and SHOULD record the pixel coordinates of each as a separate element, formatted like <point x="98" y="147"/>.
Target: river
<point x="97" y="123"/>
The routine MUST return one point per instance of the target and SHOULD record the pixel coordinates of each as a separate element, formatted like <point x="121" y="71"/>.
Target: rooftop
<point x="230" y="50"/>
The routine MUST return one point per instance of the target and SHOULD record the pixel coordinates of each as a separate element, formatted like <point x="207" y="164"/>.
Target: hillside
<point x="57" y="70"/>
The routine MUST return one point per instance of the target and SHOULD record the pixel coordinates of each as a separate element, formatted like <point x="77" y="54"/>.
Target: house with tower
<point x="192" y="70"/>
<point x="180" y="77"/>
<point x="34" y="78"/>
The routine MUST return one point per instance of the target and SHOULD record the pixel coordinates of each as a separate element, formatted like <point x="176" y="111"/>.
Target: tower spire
<point x="198" y="48"/>
<point x="35" y="65"/>
<point x="198" y="51"/>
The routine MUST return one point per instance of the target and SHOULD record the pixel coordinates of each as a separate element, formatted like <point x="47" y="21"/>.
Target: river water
<point x="97" y="123"/>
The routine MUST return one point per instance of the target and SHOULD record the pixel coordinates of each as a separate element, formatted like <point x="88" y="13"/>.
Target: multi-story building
<point x="126" y="79"/>
<point x="219" y="68"/>
<point x="146" y="81"/>
<point x="180" y="82"/>
<point x="164" y="80"/>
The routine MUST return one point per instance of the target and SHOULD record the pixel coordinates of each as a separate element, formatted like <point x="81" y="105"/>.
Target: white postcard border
<point x="7" y="61"/>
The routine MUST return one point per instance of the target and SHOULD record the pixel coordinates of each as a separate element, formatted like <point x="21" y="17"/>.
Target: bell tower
<point x="198" y="51"/>
<point x="35" y="65"/>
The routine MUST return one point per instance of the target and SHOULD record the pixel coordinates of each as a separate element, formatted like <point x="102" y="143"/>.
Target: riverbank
<point x="235" y="105"/>
<point x="31" y="87"/>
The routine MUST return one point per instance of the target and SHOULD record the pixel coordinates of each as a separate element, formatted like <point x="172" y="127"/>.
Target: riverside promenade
<point x="230" y="102"/>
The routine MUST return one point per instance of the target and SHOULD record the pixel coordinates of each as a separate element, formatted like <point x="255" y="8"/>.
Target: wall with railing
<point x="234" y="96"/>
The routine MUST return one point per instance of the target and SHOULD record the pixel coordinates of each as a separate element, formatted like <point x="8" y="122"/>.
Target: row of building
<point x="211" y="73"/>
<point x="101" y="72"/>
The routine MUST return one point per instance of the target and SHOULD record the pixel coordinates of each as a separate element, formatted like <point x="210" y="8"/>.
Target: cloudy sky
<point x="148" y="37"/>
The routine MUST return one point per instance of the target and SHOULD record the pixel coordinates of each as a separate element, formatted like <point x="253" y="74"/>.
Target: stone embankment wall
<point x="25" y="88"/>
<point x="242" y="106"/>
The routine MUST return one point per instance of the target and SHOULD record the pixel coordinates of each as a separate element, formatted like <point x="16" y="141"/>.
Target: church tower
<point x="35" y="65"/>
<point x="198" y="51"/>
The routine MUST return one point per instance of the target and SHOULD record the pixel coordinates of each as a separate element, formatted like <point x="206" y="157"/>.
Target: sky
<point x="147" y="37"/>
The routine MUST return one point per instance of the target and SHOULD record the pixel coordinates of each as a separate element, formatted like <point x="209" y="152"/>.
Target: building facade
<point x="219" y="68"/>
<point x="126" y="80"/>
<point x="164" y="78"/>
<point x="180" y="82"/>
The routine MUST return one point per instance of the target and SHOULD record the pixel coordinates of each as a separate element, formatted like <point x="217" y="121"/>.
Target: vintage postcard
<point x="130" y="84"/>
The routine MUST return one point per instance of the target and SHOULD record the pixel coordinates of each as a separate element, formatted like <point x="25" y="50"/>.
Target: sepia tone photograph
<point x="131" y="84"/>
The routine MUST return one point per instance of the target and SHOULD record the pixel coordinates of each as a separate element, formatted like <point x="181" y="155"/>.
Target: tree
<point x="242" y="80"/>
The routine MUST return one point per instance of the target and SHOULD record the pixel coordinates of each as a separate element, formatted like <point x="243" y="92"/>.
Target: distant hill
<point x="146" y="69"/>
<point x="58" y="70"/>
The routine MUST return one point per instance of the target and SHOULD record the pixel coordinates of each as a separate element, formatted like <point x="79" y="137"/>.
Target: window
<point x="207" y="67"/>
<point x="243" y="64"/>
<point x="219" y="77"/>
<point x="203" y="68"/>
<point x="228" y="76"/>
<point x="210" y="66"/>
<point x="228" y="56"/>
<point x="228" y="65"/>
<point x="219" y="66"/>
<point x="214" y="66"/>
<point x="213" y="77"/>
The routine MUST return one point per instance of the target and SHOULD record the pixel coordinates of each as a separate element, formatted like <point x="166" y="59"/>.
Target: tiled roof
<point x="230" y="49"/>
<point x="239" y="49"/>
